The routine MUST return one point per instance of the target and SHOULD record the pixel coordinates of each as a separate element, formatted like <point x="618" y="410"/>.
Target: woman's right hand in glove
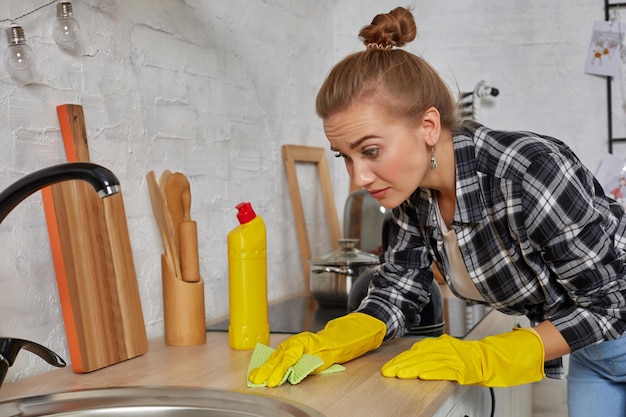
<point x="342" y="339"/>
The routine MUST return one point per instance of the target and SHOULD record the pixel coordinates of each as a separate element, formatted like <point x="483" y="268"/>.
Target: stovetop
<point x="293" y="315"/>
<point x="302" y="313"/>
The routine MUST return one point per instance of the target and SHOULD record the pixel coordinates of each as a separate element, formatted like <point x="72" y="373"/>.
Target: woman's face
<point x="386" y="155"/>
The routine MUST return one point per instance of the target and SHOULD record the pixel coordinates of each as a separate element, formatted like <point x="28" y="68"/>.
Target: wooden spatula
<point x="159" y="214"/>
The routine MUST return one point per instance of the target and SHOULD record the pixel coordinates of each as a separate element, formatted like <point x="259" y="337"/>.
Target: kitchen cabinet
<point x="463" y="402"/>
<point x="475" y="401"/>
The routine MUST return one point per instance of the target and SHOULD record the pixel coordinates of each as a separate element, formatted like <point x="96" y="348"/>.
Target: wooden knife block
<point x="183" y="309"/>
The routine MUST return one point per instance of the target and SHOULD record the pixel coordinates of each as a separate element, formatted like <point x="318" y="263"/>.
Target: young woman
<point x="514" y="220"/>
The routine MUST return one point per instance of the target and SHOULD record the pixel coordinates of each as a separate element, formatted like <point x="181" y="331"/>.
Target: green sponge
<point x="300" y="370"/>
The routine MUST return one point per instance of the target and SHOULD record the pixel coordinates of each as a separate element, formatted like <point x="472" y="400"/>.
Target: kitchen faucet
<point x="10" y="347"/>
<point x="102" y="180"/>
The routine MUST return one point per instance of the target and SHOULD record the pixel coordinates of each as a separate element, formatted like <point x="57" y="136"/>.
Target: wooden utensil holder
<point x="183" y="309"/>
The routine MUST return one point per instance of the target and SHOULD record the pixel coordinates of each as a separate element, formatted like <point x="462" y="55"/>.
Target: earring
<point x="433" y="161"/>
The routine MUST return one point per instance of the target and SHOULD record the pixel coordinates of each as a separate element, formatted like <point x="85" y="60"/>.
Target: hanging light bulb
<point x="66" y="32"/>
<point x="18" y="57"/>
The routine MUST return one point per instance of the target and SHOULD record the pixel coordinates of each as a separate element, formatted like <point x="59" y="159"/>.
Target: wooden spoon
<point x="176" y="184"/>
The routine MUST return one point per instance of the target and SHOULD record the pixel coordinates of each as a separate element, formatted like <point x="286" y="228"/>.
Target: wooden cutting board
<point x="93" y="263"/>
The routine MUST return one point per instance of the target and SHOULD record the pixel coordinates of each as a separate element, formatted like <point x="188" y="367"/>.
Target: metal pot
<point x="333" y="276"/>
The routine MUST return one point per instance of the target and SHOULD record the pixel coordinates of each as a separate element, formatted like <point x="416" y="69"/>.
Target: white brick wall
<point x="214" y="88"/>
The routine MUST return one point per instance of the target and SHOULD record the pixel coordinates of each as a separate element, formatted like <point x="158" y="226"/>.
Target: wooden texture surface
<point x="175" y="185"/>
<point x="359" y="391"/>
<point x="183" y="309"/>
<point x="93" y="263"/>
<point x="188" y="242"/>
<point x="183" y="295"/>
<point x="167" y="232"/>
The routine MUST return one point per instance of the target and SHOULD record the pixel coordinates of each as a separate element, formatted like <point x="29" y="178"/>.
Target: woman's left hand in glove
<point x="502" y="360"/>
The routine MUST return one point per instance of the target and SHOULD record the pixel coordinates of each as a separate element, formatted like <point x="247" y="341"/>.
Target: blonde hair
<point x="405" y="83"/>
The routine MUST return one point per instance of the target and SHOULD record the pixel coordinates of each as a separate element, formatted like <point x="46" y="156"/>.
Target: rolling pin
<point x="188" y="240"/>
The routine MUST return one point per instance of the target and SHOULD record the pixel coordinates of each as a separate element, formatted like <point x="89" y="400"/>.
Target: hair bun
<point x="387" y="30"/>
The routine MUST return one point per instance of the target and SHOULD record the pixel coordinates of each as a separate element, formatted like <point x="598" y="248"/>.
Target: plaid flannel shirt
<point x="538" y="236"/>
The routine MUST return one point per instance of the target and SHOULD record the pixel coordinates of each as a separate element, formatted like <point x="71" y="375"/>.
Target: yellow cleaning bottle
<point x="247" y="281"/>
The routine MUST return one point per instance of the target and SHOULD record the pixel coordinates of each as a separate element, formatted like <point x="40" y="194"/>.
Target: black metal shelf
<point x="609" y="86"/>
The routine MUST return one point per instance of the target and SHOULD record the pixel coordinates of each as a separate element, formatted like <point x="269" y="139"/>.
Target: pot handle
<point x="333" y="270"/>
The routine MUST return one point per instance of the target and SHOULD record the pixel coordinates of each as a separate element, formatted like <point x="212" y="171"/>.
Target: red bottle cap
<point x="246" y="213"/>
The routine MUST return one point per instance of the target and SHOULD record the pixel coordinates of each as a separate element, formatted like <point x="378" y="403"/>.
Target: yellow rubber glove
<point x="342" y="339"/>
<point x="502" y="360"/>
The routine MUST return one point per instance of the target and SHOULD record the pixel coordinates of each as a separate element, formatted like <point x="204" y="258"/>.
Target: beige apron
<point x="460" y="279"/>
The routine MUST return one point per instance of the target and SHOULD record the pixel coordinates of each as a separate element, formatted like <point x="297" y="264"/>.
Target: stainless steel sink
<point x="155" y="402"/>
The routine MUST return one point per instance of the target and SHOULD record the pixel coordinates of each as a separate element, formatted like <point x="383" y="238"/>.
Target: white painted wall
<point x="214" y="88"/>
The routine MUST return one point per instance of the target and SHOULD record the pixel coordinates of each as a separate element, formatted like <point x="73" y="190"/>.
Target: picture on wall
<point x="604" y="54"/>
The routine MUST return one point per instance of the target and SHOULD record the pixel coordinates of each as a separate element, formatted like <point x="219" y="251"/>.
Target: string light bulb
<point x="18" y="57"/>
<point x="66" y="31"/>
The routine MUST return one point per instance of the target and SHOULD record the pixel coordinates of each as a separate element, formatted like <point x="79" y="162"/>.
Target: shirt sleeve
<point x="401" y="285"/>
<point x="572" y="227"/>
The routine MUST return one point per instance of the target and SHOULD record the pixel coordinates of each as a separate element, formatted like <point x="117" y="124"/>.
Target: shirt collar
<point x="470" y="205"/>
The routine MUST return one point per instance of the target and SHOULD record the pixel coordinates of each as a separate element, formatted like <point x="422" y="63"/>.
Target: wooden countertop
<point x="360" y="390"/>
<point x="215" y="365"/>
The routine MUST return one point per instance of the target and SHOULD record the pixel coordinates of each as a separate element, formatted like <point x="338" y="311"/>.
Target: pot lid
<point x="347" y="254"/>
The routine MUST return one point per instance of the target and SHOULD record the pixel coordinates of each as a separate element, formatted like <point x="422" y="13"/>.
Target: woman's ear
<point x="431" y="125"/>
